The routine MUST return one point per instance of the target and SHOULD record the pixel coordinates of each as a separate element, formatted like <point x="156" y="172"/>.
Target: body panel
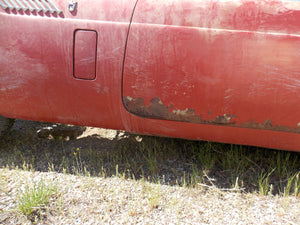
<point x="215" y="77"/>
<point x="225" y="63"/>
<point x="36" y="61"/>
<point x="37" y="82"/>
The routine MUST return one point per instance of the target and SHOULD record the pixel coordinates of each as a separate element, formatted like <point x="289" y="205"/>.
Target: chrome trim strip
<point x="14" y="5"/>
<point x="21" y="5"/>
<point x="54" y="7"/>
<point x="2" y="5"/>
<point x="39" y="5"/>
<point x="34" y="5"/>
<point x="47" y="6"/>
<point x="8" y="5"/>
<point x="28" y="6"/>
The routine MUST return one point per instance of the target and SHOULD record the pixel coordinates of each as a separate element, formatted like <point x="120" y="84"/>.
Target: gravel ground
<point x="87" y="200"/>
<point x="117" y="199"/>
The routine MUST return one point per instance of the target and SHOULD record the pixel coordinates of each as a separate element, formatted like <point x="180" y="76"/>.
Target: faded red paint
<point x="223" y="71"/>
<point x="157" y="110"/>
<point x="36" y="64"/>
<point x="85" y="54"/>
<point x="215" y="62"/>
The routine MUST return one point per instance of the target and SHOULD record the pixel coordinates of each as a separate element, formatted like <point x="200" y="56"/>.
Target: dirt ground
<point x="111" y="177"/>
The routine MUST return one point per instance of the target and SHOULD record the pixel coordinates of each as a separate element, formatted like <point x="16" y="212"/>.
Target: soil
<point x="109" y="177"/>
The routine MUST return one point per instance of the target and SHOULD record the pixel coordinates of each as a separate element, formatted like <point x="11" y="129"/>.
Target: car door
<point x="220" y="63"/>
<point x="61" y="61"/>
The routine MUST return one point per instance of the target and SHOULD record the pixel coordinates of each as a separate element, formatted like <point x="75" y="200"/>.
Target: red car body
<point x="216" y="70"/>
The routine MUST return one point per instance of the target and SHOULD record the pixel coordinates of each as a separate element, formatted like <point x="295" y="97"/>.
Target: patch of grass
<point x="196" y="176"/>
<point x="205" y="154"/>
<point x="264" y="183"/>
<point x="287" y="189"/>
<point x="297" y="184"/>
<point x="156" y="159"/>
<point x="235" y="161"/>
<point x="151" y="158"/>
<point x="154" y="196"/>
<point x="34" y="199"/>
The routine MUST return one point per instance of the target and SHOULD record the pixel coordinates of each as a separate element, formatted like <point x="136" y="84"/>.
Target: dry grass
<point x="94" y="200"/>
<point x="99" y="177"/>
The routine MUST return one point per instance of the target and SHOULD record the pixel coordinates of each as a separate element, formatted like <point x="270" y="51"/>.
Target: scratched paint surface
<point x="249" y="15"/>
<point x="36" y="64"/>
<point x="171" y="72"/>
<point x="233" y="63"/>
<point x="98" y="10"/>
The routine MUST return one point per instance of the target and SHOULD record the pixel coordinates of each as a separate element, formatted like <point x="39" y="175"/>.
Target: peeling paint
<point x="157" y="110"/>
<point x="268" y="125"/>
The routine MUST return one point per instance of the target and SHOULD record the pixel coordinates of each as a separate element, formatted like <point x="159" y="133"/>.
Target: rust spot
<point x="268" y="125"/>
<point x="225" y="119"/>
<point x="157" y="110"/>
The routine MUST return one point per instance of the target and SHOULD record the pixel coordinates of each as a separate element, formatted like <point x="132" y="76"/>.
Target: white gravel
<point x="88" y="200"/>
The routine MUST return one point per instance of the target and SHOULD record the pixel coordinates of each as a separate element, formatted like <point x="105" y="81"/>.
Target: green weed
<point x="263" y="183"/>
<point x="297" y="184"/>
<point x="155" y="159"/>
<point x="154" y="196"/>
<point x="288" y="187"/>
<point x="34" y="200"/>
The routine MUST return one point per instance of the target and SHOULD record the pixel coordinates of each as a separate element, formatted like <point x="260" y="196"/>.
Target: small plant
<point x="34" y="200"/>
<point x="78" y="167"/>
<point x="183" y="180"/>
<point x="196" y="176"/>
<point x="206" y="156"/>
<point x="263" y="183"/>
<point x="151" y="157"/>
<point x="297" y="184"/>
<point x="286" y="191"/>
<point x="154" y="196"/>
